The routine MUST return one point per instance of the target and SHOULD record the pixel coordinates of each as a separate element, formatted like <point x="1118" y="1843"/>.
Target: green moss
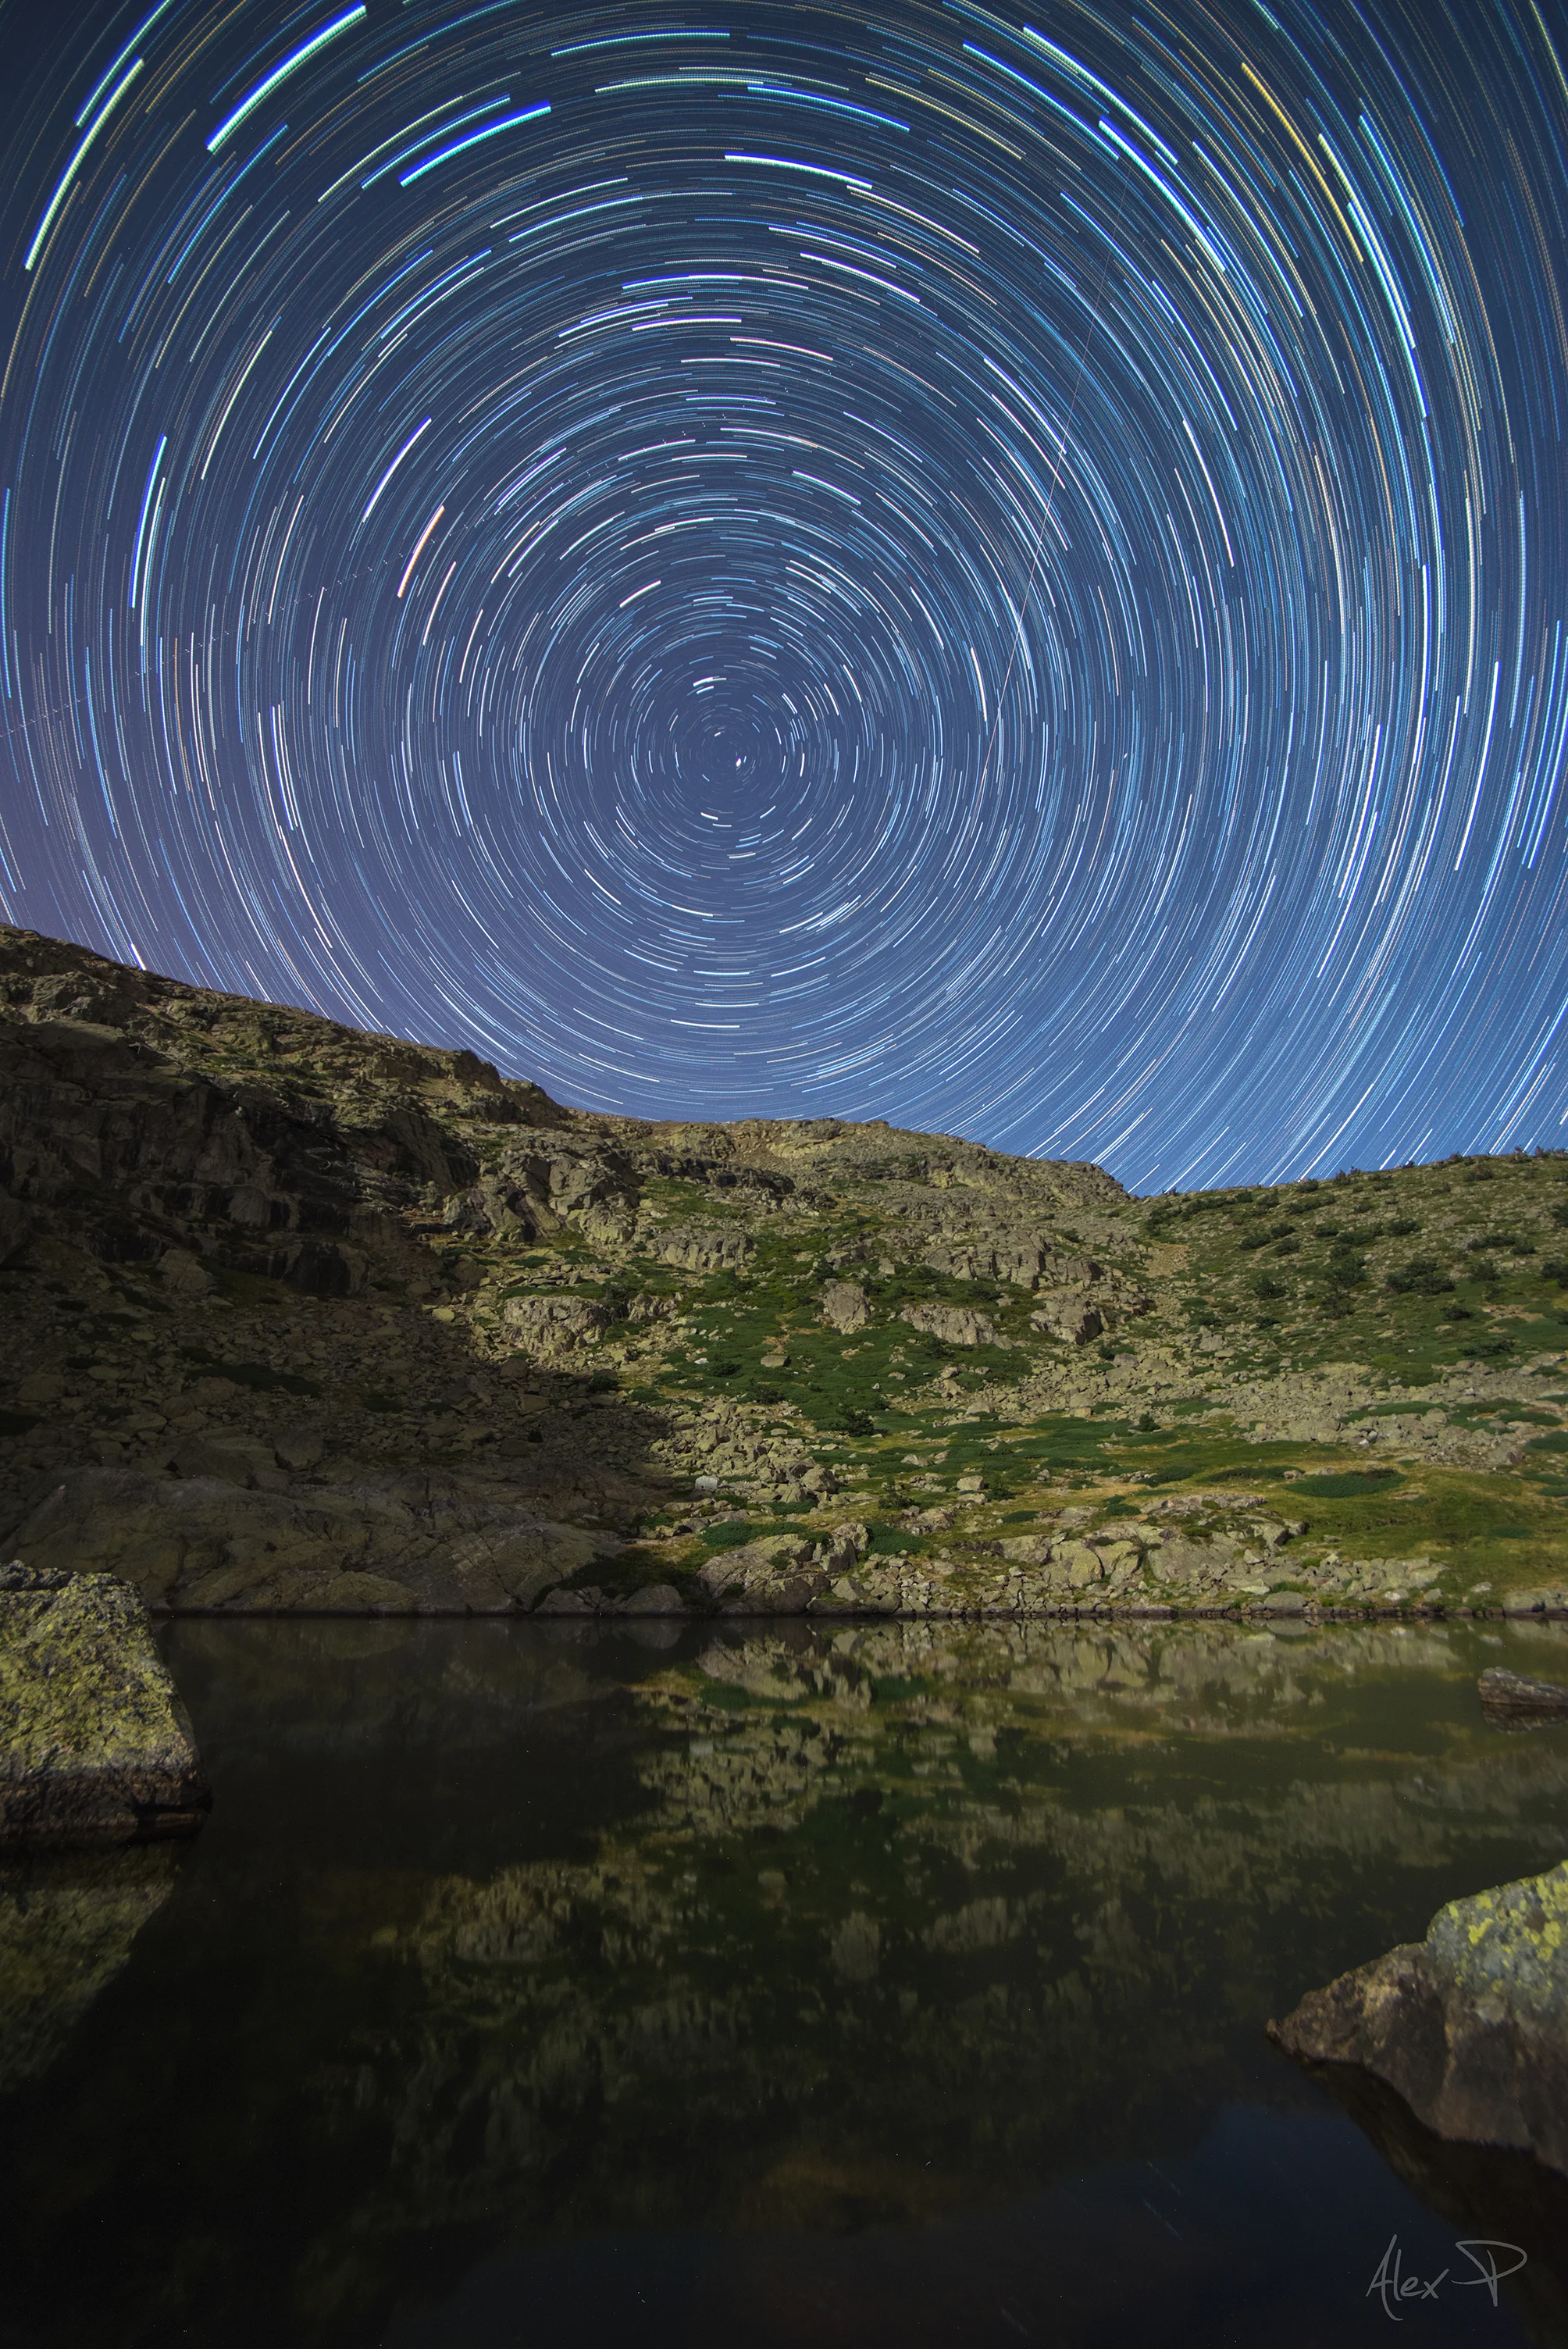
<point x="1348" y="1483"/>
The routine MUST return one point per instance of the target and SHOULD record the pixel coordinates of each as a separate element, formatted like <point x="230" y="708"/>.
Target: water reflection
<point x="67" y="1920"/>
<point x="508" y="1942"/>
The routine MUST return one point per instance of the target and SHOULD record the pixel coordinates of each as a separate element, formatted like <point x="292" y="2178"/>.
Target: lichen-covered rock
<point x="1471" y="2025"/>
<point x="94" y="1741"/>
<point x="1012" y="1256"/>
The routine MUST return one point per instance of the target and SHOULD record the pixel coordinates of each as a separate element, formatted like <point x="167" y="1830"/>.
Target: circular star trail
<point x="1001" y="571"/>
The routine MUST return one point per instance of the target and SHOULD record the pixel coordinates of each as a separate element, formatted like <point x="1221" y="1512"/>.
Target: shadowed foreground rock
<point x="1512" y="1696"/>
<point x="95" y="1744"/>
<point x="1471" y="2025"/>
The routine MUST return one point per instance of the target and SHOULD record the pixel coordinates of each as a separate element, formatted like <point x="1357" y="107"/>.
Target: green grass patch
<point x="1348" y="1483"/>
<point x="731" y="1535"/>
<point x="891" y="1541"/>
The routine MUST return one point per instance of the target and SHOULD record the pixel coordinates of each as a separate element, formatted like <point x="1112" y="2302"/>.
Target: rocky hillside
<point x="303" y="1317"/>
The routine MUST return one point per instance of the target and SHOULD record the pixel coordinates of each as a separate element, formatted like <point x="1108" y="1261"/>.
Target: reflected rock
<point x="1470" y="2025"/>
<point x="67" y="1923"/>
<point x="1490" y="2195"/>
<point x="1512" y="1696"/>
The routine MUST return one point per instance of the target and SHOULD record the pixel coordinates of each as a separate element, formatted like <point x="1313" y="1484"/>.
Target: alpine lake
<point x="546" y="1984"/>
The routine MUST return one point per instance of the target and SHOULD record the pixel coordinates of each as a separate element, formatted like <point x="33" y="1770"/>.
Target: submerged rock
<point x="1471" y="2025"/>
<point x="95" y="1745"/>
<point x="1516" y="1697"/>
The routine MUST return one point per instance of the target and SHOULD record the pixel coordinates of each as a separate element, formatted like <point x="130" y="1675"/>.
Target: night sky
<point x="1006" y="572"/>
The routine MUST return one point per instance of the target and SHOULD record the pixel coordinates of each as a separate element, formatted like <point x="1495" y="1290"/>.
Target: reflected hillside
<point x="772" y="1931"/>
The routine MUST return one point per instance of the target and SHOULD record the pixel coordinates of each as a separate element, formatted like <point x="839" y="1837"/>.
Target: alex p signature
<point x="1392" y="2285"/>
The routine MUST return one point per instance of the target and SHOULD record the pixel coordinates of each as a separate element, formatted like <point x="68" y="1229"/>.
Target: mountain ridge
<point x="308" y="1317"/>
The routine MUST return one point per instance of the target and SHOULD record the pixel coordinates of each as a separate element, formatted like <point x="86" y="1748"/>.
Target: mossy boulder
<point x="1471" y="2025"/>
<point x="95" y="1744"/>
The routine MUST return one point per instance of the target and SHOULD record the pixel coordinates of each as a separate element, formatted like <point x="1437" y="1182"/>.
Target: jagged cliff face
<point x="306" y="1317"/>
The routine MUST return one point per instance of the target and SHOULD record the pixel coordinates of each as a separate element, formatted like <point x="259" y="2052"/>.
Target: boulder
<point x="777" y="1575"/>
<point x="780" y="1574"/>
<point x="1469" y="2027"/>
<point x="1068" y="1313"/>
<point x="844" y="1306"/>
<point x="653" y="1598"/>
<point x="95" y="1744"/>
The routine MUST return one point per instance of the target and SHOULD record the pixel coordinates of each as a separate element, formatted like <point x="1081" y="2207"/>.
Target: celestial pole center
<point x="1004" y="570"/>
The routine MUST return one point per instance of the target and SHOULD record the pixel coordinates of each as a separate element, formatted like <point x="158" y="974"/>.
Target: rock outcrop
<point x="95" y="1745"/>
<point x="1469" y="2027"/>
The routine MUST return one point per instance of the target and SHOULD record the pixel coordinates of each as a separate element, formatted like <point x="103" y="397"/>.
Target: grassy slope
<point x="1277" y="1312"/>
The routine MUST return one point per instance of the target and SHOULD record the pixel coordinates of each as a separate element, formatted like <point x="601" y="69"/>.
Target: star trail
<point x="1005" y="572"/>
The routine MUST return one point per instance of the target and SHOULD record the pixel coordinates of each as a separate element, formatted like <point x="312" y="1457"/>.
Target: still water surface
<point x="536" y="1986"/>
